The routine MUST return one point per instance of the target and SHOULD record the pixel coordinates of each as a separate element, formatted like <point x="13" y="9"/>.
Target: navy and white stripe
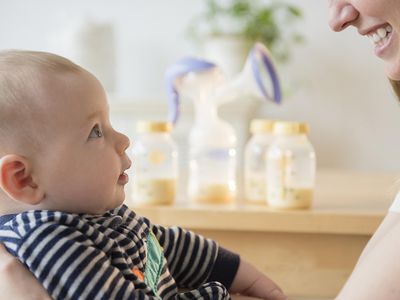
<point x="79" y="256"/>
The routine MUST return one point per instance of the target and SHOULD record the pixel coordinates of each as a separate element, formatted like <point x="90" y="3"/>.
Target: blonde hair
<point x="21" y="84"/>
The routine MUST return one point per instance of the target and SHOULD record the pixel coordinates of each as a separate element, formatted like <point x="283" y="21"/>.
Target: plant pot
<point x="229" y="52"/>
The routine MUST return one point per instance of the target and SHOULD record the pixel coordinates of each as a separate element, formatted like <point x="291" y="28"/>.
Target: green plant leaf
<point x="269" y="23"/>
<point x="295" y="11"/>
<point x="239" y="9"/>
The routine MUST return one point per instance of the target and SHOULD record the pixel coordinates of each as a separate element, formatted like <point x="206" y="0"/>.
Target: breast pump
<point x="213" y="141"/>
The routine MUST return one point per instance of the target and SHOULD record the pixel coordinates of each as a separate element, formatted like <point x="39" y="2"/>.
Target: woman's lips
<point x="382" y="50"/>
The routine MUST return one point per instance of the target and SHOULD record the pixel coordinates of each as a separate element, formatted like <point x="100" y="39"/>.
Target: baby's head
<point x="58" y="150"/>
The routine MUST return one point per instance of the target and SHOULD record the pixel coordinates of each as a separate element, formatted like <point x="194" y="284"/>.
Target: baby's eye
<point x="96" y="132"/>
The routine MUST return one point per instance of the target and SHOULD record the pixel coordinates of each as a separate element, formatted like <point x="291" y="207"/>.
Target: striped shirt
<point x="117" y="255"/>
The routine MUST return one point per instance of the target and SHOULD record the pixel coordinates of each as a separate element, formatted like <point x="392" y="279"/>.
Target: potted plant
<point x="227" y="30"/>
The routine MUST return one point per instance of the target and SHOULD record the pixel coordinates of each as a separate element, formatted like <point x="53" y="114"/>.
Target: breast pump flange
<point x="212" y="141"/>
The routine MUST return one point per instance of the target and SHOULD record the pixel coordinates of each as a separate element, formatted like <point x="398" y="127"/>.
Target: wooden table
<point x="309" y="253"/>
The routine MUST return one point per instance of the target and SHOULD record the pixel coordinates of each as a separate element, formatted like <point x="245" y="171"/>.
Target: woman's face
<point x="377" y="20"/>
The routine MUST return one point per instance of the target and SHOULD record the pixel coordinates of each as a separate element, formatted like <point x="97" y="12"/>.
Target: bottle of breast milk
<point x="155" y="164"/>
<point x="255" y="161"/>
<point x="212" y="158"/>
<point x="291" y="167"/>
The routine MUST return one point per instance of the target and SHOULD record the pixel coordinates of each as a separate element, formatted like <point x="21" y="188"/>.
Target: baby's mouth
<point x="123" y="178"/>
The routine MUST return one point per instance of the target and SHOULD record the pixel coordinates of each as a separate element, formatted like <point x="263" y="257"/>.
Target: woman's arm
<point x="16" y="282"/>
<point x="391" y="219"/>
<point x="376" y="275"/>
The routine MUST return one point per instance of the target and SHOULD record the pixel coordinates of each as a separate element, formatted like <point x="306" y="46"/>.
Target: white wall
<point x="343" y="93"/>
<point x="335" y="82"/>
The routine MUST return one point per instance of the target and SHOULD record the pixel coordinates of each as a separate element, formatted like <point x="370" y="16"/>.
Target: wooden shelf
<point x="262" y="219"/>
<point x="345" y="203"/>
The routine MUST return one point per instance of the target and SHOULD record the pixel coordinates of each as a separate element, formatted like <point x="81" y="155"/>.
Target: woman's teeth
<point x="380" y="36"/>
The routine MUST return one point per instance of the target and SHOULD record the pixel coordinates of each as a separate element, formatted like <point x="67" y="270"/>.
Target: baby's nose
<point x="122" y="143"/>
<point x="126" y="142"/>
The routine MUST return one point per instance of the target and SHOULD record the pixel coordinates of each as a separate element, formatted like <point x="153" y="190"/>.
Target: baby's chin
<point x="118" y="202"/>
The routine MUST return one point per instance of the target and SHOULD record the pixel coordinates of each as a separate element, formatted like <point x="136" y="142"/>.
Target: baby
<point x="62" y="178"/>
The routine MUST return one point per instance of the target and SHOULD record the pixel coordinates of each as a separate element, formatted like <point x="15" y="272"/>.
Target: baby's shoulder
<point x="26" y="222"/>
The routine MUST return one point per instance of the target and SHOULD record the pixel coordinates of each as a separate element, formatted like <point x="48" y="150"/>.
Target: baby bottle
<point x="291" y="167"/>
<point x="255" y="161"/>
<point x="155" y="167"/>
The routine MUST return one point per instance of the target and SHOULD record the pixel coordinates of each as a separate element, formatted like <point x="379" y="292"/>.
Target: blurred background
<point x="332" y="81"/>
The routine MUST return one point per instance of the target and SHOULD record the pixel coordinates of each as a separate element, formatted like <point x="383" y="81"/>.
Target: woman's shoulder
<point x="395" y="207"/>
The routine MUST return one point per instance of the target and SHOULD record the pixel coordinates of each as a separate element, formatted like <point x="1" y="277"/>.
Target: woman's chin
<point x="393" y="71"/>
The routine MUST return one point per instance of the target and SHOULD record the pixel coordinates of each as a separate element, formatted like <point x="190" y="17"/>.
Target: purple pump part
<point x="267" y="62"/>
<point x="190" y="64"/>
<point x="178" y="69"/>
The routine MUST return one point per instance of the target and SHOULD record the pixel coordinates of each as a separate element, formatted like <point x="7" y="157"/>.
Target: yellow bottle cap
<point x="151" y="126"/>
<point x="290" y="128"/>
<point x="261" y="126"/>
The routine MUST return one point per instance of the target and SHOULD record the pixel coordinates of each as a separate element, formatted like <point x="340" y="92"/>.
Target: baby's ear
<point x="16" y="180"/>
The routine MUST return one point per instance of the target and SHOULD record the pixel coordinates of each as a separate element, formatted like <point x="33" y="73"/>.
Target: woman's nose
<point x="341" y="14"/>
